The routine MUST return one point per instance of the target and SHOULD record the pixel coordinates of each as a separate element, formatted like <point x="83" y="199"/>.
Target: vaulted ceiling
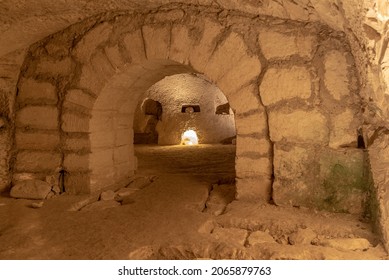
<point x="23" y="22"/>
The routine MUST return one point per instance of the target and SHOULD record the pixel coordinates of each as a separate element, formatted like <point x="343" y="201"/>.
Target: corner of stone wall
<point x="378" y="152"/>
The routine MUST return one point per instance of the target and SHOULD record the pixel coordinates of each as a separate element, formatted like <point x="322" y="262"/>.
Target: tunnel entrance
<point x="195" y="144"/>
<point x="212" y="153"/>
<point x="189" y="137"/>
<point x="174" y="93"/>
<point x="90" y="135"/>
<point x="151" y="113"/>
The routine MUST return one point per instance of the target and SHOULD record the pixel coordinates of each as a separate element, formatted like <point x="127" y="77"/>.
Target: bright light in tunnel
<point x="189" y="137"/>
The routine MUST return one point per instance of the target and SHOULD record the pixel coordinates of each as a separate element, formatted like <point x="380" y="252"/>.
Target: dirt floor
<point x="180" y="205"/>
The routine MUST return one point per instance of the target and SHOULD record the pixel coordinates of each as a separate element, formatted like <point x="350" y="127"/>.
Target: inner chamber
<point x="180" y="109"/>
<point x="178" y="128"/>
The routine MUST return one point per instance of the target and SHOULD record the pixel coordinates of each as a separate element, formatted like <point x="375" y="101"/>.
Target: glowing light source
<point x="189" y="137"/>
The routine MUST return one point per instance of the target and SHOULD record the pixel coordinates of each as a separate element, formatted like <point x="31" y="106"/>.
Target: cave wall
<point x="292" y="86"/>
<point x="311" y="93"/>
<point x="89" y="97"/>
<point x="9" y="74"/>
<point x="375" y="38"/>
<point x="51" y="65"/>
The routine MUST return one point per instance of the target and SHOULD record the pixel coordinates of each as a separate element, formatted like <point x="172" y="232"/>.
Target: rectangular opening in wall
<point x="360" y="140"/>
<point x="190" y="109"/>
<point x="223" y="109"/>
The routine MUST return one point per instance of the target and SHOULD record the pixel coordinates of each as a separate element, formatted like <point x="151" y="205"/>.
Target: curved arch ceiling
<point x="25" y="22"/>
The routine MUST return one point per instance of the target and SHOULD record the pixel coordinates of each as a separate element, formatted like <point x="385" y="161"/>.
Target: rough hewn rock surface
<point x="259" y="237"/>
<point x="114" y="53"/>
<point x="302" y="236"/>
<point x="162" y="222"/>
<point x="219" y="198"/>
<point x="227" y="235"/>
<point x="347" y="244"/>
<point x="31" y="189"/>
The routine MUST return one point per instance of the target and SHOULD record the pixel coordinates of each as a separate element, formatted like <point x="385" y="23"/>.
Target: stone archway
<point x="189" y="102"/>
<point x="111" y="133"/>
<point x="103" y="76"/>
<point x="50" y="128"/>
<point x="79" y="88"/>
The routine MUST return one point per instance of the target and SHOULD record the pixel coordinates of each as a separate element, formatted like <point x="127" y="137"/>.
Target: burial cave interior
<point x="228" y="130"/>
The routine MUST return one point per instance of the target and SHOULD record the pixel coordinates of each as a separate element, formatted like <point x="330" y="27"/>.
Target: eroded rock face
<point x="219" y="198"/>
<point x="334" y="180"/>
<point x="302" y="236"/>
<point x="379" y="159"/>
<point x="259" y="237"/>
<point x="230" y="235"/>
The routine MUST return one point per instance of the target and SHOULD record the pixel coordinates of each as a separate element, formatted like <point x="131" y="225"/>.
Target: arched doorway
<point x="84" y="116"/>
<point x="97" y="105"/>
<point x="189" y="102"/>
<point x="77" y="118"/>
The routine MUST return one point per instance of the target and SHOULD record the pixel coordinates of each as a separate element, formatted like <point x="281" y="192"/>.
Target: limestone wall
<point x="76" y="92"/>
<point x="180" y="90"/>
<point x="310" y="91"/>
<point x="9" y="73"/>
<point x="292" y="86"/>
<point x="77" y="98"/>
<point x="376" y="107"/>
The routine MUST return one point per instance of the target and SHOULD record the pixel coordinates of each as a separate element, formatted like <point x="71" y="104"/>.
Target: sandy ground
<point x="182" y="214"/>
